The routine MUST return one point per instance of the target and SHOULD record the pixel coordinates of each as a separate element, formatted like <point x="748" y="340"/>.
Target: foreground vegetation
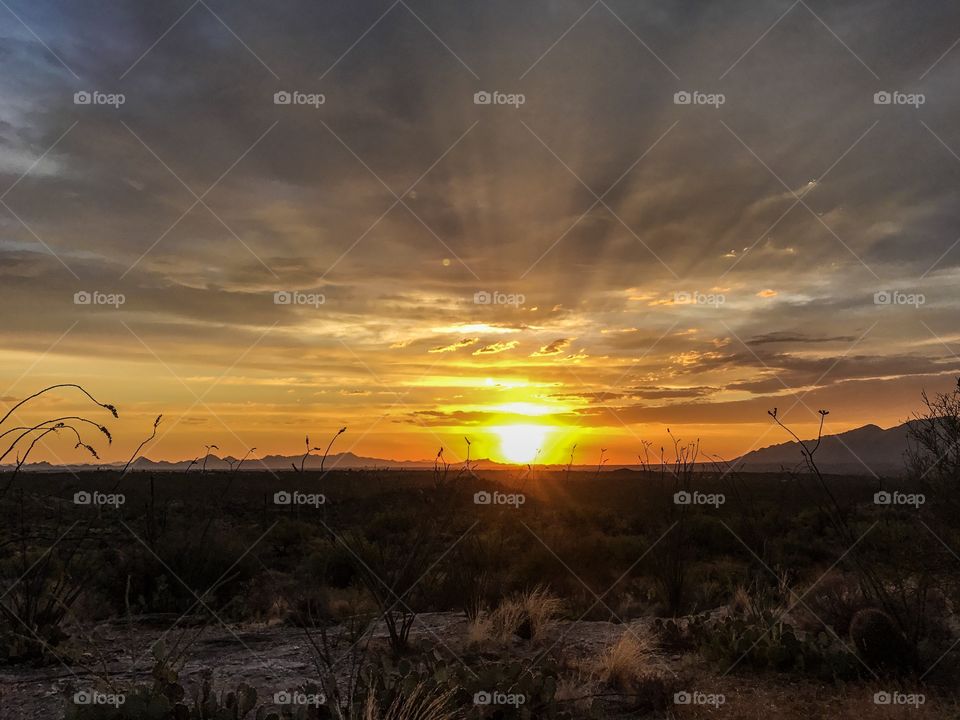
<point x="844" y="582"/>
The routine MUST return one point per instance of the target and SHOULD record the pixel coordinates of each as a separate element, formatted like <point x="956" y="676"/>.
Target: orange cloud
<point x="466" y="342"/>
<point x="495" y="348"/>
<point x="554" y="348"/>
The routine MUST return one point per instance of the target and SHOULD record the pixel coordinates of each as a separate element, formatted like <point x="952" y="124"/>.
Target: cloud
<point x="797" y="338"/>
<point x="466" y="342"/>
<point x="652" y="393"/>
<point x="298" y="202"/>
<point x="851" y="403"/>
<point x="497" y="347"/>
<point x="553" y="348"/>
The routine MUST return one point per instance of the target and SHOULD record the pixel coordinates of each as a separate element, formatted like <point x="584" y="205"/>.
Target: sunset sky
<point x="661" y="265"/>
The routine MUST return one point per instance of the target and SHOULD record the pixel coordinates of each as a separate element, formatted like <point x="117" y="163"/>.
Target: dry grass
<point x="419" y="704"/>
<point x="575" y="692"/>
<point x="759" y="601"/>
<point x="626" y="662"/>
<point x="506" y="620"/>
<point x="529" y="615"/>
<point x="479" y="629"/>
<point x="740" y="603"/>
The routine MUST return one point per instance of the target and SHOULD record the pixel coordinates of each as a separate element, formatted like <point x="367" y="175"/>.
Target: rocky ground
<point x="276" y="658"/>
<point x="270" y="659"/>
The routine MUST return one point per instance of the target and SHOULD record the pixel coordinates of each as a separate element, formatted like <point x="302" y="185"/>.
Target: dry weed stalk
<point x="136" y="452"/>
<point x="326" y="452"/>
<point x="31" y="435"/>
<point x="570" y="463"/>
<point x="203" y="468"/>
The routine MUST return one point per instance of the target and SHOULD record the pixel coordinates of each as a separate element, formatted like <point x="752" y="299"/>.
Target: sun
<point x="521" y="443"/>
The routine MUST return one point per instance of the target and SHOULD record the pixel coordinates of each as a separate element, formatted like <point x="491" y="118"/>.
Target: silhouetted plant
<point x="573" y="449"/>
<point x="397" y="558"/>
<point x="882" y="579"/>
<point x="136" y="452"/>
<point x="644" y="460"/>
<point x="31" y="435"/>
<point x="602" y="461"/>
<point x="206" y="455"/>
<point x="933" y="453"/>
<point x="672" y="558"/>
<point x="326" y="452"/>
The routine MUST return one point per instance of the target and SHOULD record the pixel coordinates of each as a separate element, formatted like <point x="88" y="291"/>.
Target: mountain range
<point x="867" y="450"/>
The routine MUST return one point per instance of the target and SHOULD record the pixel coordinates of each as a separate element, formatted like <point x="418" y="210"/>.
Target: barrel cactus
<point x="879" y="642"/>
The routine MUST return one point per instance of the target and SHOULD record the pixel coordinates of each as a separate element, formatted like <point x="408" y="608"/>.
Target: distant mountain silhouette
<point x="338" y="461"/>
<point x="856" y="452"/>
<point x="859" y="451"/>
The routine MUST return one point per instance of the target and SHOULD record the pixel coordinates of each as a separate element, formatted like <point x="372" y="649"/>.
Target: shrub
<point x="834" y="601"/>
<point x="38" y="602"/>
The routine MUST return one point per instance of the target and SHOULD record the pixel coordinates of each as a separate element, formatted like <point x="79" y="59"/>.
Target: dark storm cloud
<point x="399" y="99"/>
<point x="784" y="337"/>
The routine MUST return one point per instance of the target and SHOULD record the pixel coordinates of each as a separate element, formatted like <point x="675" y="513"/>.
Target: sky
<point x="671" y="215"/>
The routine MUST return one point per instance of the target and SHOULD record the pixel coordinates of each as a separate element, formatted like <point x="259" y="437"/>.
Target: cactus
<point x="163" y="701"/>
<point x="878" y="641"/>
<point x="771" y="643"/>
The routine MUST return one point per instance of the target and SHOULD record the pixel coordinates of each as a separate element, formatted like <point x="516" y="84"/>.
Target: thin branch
<point x="330" y="445"/>
<point x="140" y="447"/>
<point x="106" y="406"/>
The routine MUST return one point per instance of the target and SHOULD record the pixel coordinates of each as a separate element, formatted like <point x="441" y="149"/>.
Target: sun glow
<point x="522" y="443"/>
<point x="530" y="408"/>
